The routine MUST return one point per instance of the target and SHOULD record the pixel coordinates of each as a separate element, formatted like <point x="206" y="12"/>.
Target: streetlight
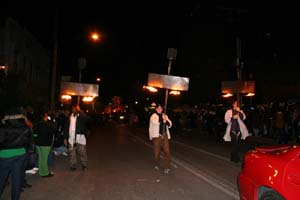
<point x="95" y="36"/>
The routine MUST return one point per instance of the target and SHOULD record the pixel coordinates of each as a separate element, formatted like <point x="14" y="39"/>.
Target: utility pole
<point x="171" y="56"/>
<point x="239" y="66"/>
<point x="54" y="64"/>
<point x="81" y="66"/>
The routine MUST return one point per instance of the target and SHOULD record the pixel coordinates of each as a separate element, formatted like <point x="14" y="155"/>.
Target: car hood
<point x="279" y="150"/>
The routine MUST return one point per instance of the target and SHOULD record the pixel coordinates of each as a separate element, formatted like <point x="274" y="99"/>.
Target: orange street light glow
<point x="2" y="67"/>
<point x="98" y="79"/>
<point x="95" y="36"/>
<point x="150" y="88"/>
<point x="227" y="95"/>
<point x="66" y="97"/>
<point x="174" y="92"/>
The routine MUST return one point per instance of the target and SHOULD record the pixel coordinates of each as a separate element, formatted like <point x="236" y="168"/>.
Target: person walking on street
<point x="76" y="137"/>
<point x="44" y="131"/>
<point x="160" y="135"/>
<point x="236" y="130"/>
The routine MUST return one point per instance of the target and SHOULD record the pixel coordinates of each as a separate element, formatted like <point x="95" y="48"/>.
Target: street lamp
<point x="95" y="36"/>
<point x="82" y="61"/>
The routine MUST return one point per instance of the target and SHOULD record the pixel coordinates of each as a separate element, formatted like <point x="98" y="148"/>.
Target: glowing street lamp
<point x="98" y="79"/>
<point x="95" y="36"/>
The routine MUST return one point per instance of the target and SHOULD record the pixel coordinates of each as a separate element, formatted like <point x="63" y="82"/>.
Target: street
<point x="121" y="167"/>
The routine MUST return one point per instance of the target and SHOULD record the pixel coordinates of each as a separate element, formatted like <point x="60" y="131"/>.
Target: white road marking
<point x="209" y="179"/>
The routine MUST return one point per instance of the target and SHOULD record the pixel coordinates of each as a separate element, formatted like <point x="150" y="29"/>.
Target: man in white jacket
<point x="159" y="133"/>
<point x="236" y="130"/>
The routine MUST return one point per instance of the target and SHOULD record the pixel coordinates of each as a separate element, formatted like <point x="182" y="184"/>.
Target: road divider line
<point x="205" y="152"/>
<point x="211" y="180"/>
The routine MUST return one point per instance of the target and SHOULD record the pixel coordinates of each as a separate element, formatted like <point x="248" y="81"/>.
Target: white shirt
<point x="80" y="138"/>
<point x="154" y="127"/>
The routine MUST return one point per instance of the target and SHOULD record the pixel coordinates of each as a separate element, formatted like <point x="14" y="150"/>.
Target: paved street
<point x="120" y="167"/>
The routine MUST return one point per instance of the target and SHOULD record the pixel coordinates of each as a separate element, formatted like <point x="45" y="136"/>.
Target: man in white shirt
<point x="76" y="138"/>
<point x="160" y="135"/>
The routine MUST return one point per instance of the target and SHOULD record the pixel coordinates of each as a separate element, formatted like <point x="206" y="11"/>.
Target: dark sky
<point x="136" y="37"/>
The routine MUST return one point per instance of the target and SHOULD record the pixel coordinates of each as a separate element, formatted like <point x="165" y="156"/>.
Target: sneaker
<point x="51" y="174"/>
<point x="30" y="171"/>
<point x="156" y="168"/>
<point x="167" y="171"/>
<point x="35" y="169"/>
<point x="64" y="154"/>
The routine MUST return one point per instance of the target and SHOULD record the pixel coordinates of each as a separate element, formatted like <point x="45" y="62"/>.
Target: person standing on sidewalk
<point x="76" y="137"/>
<point x="15" y="136"/>
<point x="44" y="131"/>
<point x="236" y="130"/>
<point x="160" y="135"/>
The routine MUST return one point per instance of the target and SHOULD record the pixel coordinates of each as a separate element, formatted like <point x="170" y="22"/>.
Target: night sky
<point x="136" y="37"/>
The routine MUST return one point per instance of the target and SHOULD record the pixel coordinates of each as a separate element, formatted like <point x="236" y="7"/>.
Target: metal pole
<point x="167" y="91"/>
<point x="53" y="75"/>
<point x="78" y="99"/>
<point x="238" y="66"/>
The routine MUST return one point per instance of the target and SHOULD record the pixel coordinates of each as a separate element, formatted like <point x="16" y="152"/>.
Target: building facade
<point x="26" y="65"/>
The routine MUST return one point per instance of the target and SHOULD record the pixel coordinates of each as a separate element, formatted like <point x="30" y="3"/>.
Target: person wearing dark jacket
<point x="44" y="131"/>
<point x="76" y="137"/>
<point x="15" y="135"/>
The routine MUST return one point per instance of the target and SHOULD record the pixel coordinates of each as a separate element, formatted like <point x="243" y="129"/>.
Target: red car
<point x="271" y="172"/>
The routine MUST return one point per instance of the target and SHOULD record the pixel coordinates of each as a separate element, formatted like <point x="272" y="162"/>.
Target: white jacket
<point x="243" y="128"/>
<point x="154" y="127"/>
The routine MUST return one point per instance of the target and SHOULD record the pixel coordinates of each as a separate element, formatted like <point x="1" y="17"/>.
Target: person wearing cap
<point x="160" y="135"/>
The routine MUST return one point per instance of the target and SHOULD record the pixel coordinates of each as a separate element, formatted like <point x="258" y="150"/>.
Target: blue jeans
<point x="61" y="149"/>
<point x="14" y="167"/>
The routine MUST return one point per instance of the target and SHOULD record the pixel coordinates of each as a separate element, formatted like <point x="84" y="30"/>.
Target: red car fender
<point x="277" y="170"/>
